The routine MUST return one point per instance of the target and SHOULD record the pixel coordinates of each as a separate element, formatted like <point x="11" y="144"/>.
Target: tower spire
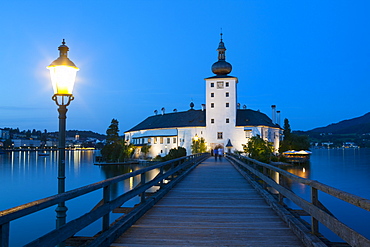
<point x="221" y="67"/>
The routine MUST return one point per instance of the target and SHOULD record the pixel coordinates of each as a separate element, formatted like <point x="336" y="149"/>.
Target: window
<point x="168" y="140"/>
<point x="161" y="140"/>
<point x="149" y="140"/>
<point x="227" y="94"/>
<point x="248" y="134"/>
<point x="227" y="104"/>
<point x="174" y="140"/>
<point x="212" y="105"/>
<point x="220" y="84"/>
<point x="212" y="95"/>
<point x="155" y="140"/>
<point x="219" y="135"/>
<point x="212" y="120"/>
<point x="212" y="84"/>
<point x="227" y="120"/>
<point x="227" y="84"/>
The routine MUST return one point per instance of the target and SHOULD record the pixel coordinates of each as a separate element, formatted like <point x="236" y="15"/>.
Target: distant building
<point x="220" y="122"/>
<point x="18" y="143"/>
<point x="4" y="134"/>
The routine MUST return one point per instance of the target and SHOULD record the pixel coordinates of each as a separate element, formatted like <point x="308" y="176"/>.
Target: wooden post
<point x="281" y="182"/>
<point x="4" y="235"/>
<point x="106" y="199"/>
<point x="142" y="183"/>
<point x="314" y="201"/>
<point x="264" y="173"/>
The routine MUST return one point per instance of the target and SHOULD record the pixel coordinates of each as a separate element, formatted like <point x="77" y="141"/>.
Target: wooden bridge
<point x="213" y="206"/>
<point x="197" y="201"/>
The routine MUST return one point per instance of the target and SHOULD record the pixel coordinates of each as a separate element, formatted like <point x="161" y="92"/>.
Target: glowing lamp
<point x="63" y="72"/>
<point x="196" y="137"/>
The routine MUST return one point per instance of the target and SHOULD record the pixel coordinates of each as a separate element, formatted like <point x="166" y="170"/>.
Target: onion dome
<point x="221" y="67"/>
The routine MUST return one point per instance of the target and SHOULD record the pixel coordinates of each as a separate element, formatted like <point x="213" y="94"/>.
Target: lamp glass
<point x="63" y="79"/>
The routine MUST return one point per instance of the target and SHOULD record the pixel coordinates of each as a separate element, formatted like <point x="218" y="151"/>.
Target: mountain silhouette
<point x="358" y="125"/>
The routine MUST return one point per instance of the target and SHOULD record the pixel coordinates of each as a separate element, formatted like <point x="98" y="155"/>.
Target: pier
<point x="197" y="201"/>
<point x="213" y="206"/>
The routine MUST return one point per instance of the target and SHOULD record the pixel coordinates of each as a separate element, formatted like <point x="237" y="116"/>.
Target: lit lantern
<point x="63" y="72"/>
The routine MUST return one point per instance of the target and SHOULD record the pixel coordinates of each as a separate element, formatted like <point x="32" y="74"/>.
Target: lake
<point x="25" y="176"/>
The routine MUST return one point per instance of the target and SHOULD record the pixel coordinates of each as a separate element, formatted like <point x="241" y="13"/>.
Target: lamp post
<point x="63" y="74"/>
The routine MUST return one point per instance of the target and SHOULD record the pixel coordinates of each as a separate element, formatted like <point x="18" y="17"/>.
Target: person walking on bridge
<point x="215" y="152"/>
<point x="220" y="153"/>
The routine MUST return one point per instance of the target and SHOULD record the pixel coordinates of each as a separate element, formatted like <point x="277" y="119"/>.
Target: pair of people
<point x="218" y="152"/>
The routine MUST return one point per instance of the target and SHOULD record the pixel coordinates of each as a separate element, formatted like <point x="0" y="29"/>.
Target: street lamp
<point x="63" y="74"/>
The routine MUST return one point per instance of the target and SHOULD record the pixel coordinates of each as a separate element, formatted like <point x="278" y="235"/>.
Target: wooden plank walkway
<point x="213" y="206"/>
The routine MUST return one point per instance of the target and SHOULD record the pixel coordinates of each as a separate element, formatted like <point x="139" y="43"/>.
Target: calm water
<point x="344" y="169"/>
<point x="25" y="177"/>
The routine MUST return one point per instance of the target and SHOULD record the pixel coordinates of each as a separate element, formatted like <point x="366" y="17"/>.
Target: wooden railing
<point x="170" y="172"/>
<point x="260" y="175"/>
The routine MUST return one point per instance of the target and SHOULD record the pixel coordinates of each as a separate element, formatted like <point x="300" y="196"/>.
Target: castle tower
<point x="220" y="101"/>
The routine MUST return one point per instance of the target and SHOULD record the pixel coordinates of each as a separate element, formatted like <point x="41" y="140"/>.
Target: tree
<point x="173" y="154"/>
<point x="259" y="149"/>
<point x="198" y="145"/>
<point x="145" y="149"/>
<point x="112" y="132"/>
<point x="293" y="141"/>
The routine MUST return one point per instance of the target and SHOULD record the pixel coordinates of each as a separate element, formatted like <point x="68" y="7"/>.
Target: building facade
<point x="220" y="122"/>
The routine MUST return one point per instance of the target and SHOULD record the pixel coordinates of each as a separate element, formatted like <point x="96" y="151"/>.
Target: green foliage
<point x="198" y="145"/>
<point x="293" y="141"/>
<point x="118" y="151"/>
<point x="259" y="149"/>
<point x="174" y="153"/>
<point x="145" y="149"/>
<point x="112" y="132"/>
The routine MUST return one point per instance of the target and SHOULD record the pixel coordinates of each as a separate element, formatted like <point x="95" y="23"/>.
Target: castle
<point x="220" y="122"/>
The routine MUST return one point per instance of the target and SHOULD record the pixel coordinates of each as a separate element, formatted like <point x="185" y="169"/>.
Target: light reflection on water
<point x="344" y="169"/>
<point x="25" y="176"/>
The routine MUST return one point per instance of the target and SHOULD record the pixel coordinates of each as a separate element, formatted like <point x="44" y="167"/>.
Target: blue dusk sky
<point x="310" y="58"/>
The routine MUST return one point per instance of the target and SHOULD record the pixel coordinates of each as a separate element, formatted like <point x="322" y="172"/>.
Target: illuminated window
<point x="212" y="120"/>
<point x="248" y="134"/>
<point x="219" y="135"/>
<point x="212" y="84"/>
<point x="227" y="104"/>
<point x="227" y="120"/>
<point x="149" y="140"/>
<point x="161" y="140"/>
<point x="227" y="94"/>
<point x="155" y="140"/>
<point x="212" y="105"/>
<point x="212" y="95"/>
<point x="174" y="140"/>
<point x="168" y="140"/>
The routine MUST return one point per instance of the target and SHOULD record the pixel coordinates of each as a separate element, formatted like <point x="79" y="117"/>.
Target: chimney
<point x="203" y="107"/>
<point x="238" y="106"/>
<point x="273" y="117"/>
<point x="278" y="117"/>
<point x="244" y="107"/>
<point x="155" y="112"/>
<point x="162" y="110"/>
<point x="175" y="110"/>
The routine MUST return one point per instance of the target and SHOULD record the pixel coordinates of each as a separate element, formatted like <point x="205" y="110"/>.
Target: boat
<point x="293" y="156"/>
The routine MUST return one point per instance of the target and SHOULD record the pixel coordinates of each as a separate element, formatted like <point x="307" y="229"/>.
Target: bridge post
<point x="4" y="235"/>
<point x="142" y="183"/>
<point x="106" y="199"/>
<point x="315" y="202"/>
<point x="281" y="182"/>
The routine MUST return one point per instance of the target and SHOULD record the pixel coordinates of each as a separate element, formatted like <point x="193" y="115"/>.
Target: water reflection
<point x="110" y="171"/>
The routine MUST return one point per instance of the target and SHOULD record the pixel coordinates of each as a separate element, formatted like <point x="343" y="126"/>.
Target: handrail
<point x="314" y="208"/>
<point x="175" y="168"/>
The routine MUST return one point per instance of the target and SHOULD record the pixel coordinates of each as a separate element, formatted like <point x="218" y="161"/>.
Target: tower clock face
<point x="220" y="84"/>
